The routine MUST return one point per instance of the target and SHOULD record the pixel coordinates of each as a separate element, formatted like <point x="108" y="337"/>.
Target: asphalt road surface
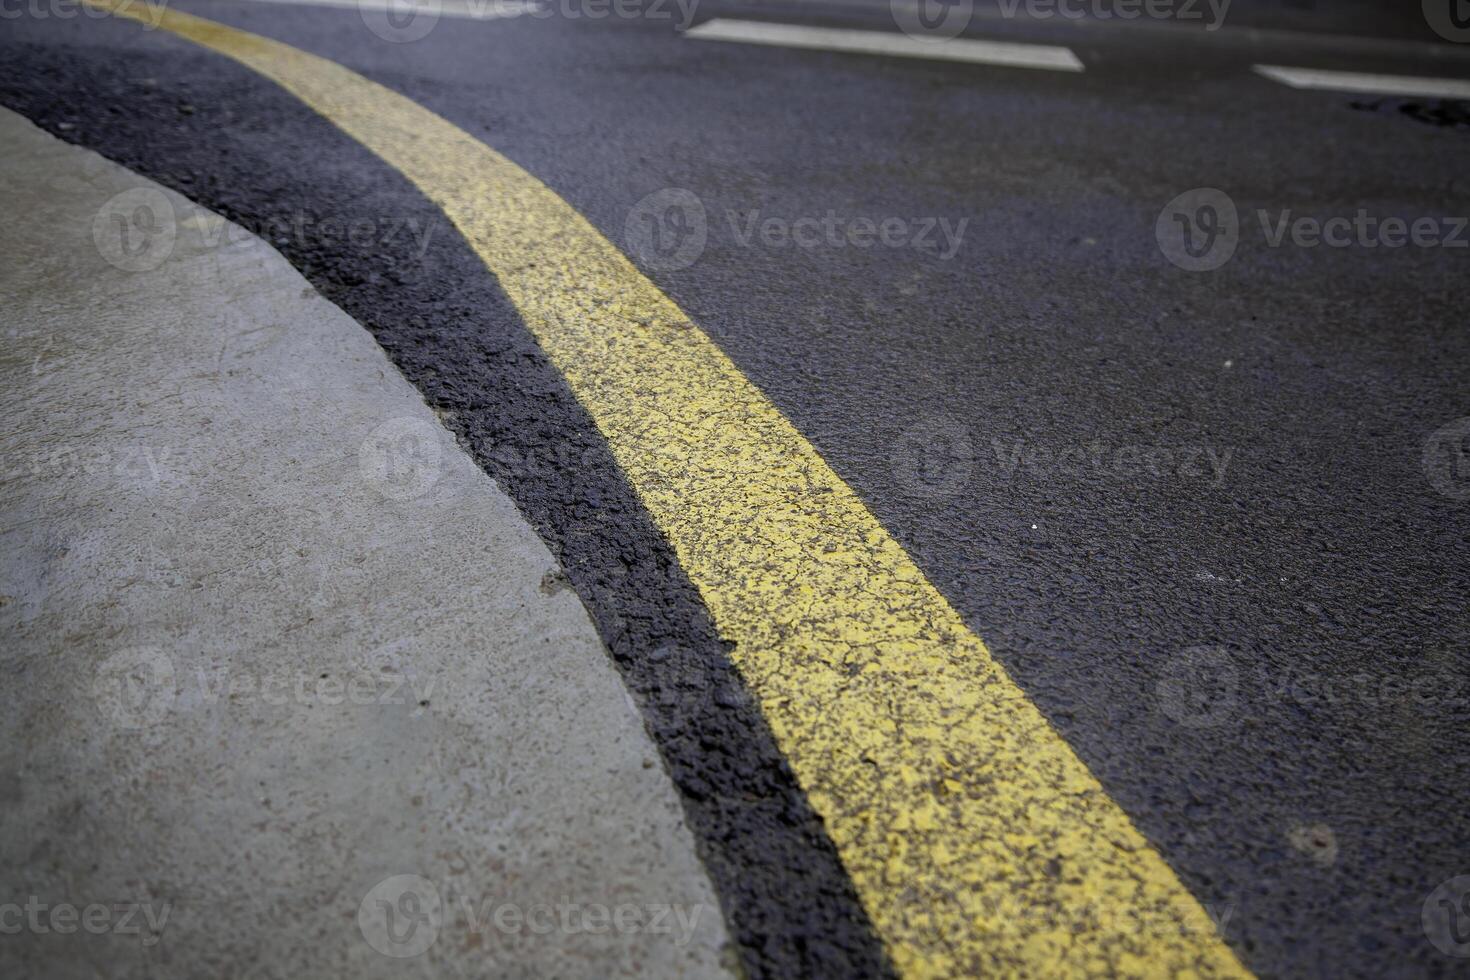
<point x="1155" y="366"/>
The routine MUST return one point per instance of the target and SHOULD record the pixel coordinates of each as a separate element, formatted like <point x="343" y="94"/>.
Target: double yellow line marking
<point x="977" y="840"/>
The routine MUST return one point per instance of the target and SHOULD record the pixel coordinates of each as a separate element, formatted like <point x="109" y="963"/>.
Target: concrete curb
<point x="292" y="679"/>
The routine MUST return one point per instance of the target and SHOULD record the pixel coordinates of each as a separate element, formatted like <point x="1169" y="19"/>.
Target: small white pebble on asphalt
<point x="1229" y="364"/>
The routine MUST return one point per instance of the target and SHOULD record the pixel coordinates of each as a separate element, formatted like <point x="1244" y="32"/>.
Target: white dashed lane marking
<point x="1352" y="81"/>
<point x="463" y="9"/>
<point x="1045" y="56"/>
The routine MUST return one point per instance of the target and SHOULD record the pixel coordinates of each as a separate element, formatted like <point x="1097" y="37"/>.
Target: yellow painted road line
<point x="978" y="842"/>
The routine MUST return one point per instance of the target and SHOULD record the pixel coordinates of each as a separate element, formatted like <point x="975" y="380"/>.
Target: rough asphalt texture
<point x="1226" y="644"/>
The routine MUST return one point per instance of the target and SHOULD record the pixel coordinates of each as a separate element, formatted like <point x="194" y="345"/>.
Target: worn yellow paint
<point x="977" y="840"/>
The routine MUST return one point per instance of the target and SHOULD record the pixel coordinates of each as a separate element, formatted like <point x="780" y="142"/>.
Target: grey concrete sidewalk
<point x="292" y="689"/>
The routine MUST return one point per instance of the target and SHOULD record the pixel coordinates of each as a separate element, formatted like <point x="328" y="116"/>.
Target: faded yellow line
<point x="978" y="842"/>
